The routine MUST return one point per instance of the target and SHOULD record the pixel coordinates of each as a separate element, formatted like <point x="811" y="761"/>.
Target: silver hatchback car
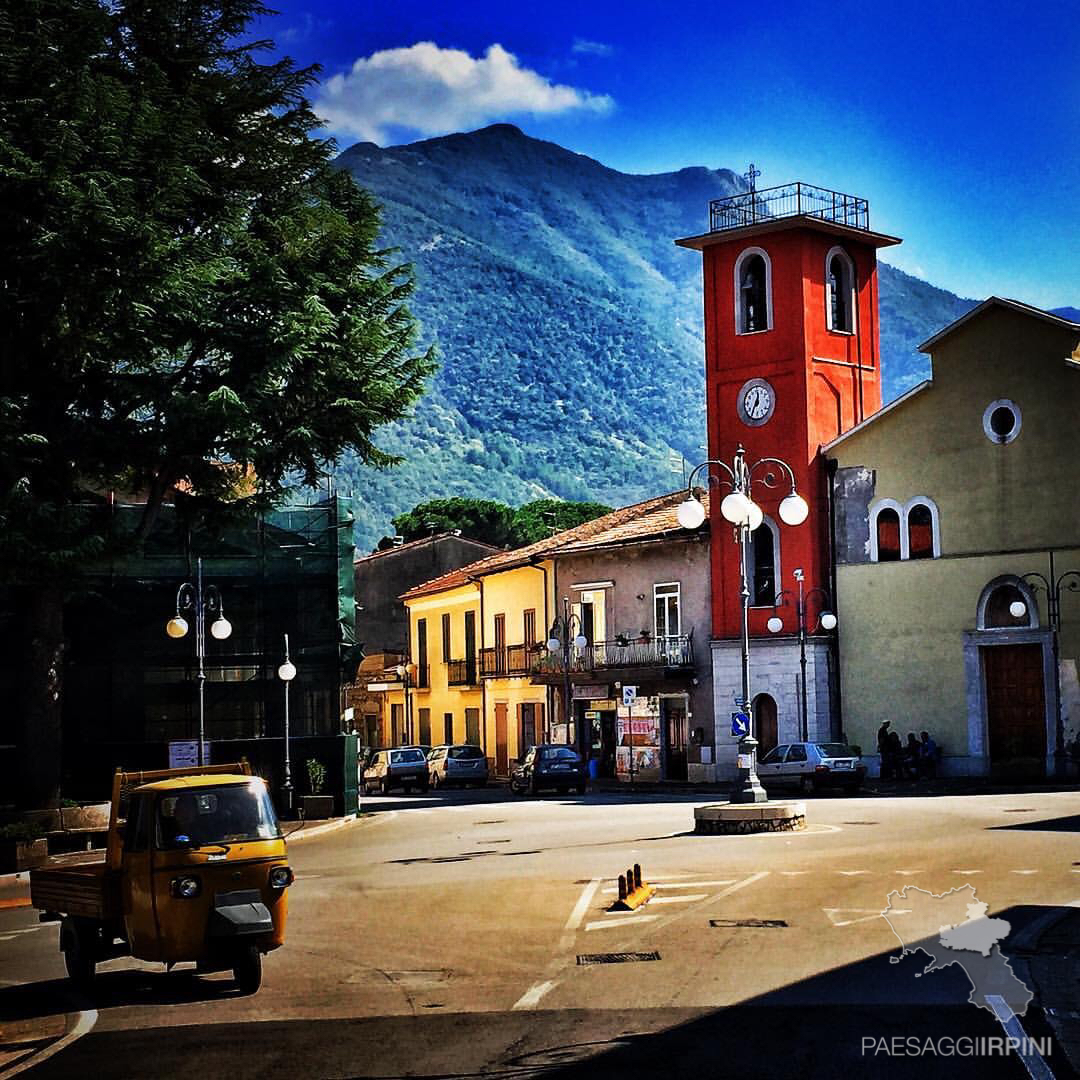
<point x="812" y="766"/>
<point x="457" y="764"/>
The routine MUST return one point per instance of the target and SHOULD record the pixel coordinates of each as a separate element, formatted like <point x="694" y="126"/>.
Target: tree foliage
<point x="494" y="522"/>
<point x="190" y="295"/>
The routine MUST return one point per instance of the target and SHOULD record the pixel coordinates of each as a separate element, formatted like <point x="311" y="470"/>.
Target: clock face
<point x="756" y="402"/>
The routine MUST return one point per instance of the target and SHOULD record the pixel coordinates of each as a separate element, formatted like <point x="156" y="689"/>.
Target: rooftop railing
<point x="788" y="200"/>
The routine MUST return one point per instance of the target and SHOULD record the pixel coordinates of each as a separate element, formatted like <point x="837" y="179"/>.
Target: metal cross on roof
<point x="751" y="176"/>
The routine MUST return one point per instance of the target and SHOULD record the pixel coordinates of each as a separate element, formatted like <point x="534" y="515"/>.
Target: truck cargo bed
<point x="77" y="885"/>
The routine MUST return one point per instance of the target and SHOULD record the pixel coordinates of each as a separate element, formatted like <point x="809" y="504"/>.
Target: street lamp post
<point x="565" y="633"/>
<point x="826" y="620"/>
<point x="286" y="673"/>
<point x="1053" y="584"/>
<point x="194" y="598"/>
<point x="739" y="508"/>
<point x="405" y="672"/>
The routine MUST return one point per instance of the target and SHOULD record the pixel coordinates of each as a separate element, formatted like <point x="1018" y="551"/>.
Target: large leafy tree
<point x="189" y="293"/>
<point x="495" y="522"/>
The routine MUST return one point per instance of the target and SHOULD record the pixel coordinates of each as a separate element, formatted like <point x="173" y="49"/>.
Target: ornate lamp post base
<point x="747" y="787"/>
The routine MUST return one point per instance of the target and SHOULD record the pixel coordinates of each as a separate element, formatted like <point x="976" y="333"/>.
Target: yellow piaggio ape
<point x="195" y="870"/>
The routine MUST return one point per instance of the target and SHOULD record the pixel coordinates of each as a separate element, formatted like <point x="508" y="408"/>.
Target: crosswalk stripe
<point x="620" y="922"/>
<point x="678" y="899"/>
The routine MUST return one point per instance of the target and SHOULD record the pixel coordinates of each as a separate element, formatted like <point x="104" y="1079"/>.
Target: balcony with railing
<point x="788" y="200"/>
<point x="461" y="673"/>
<point x="509" y="660"/>
<point x="659" y="655"/>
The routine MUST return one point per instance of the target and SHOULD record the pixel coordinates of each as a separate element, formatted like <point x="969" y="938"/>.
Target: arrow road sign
<point x="740" y="724"/>
<point x="629" y="695"/>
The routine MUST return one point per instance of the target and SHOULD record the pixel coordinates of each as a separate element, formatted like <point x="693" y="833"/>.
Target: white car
<point x="458" y="764"/>
<point x="812" y="766"/>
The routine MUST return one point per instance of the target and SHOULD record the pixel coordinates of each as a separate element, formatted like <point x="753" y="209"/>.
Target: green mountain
<point x="569" y="325"/>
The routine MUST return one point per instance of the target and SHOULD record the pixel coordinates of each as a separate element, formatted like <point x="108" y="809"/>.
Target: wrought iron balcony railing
<point x="509" y="660"/>
<point x="788" y="200"/>
<point x="668" y="652"/>
<point x="461" y="672"/>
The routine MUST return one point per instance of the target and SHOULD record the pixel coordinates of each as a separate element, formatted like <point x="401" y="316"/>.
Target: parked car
<point x="812" y="766"/>
<point x="403" y="767"/>
<point x="457" y="764"/>
<point x="548" y="766"/>
<point x="364" y="755"/>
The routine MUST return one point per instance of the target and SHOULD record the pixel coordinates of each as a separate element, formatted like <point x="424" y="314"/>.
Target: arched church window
<point x="887" y="526"/>
<point x="920" y="523"/>
<point x="840" y="291"/>
<point x="761" y="571"/>
<point x="753" y="292"/>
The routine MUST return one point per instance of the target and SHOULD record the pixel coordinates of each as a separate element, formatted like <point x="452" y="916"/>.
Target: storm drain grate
<point x="615" y="957"/>
<point x="748" y="922"/>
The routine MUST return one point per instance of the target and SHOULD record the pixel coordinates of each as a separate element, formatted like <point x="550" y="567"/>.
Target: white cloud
<point x="591" y="48"/>
<point x="434" y="90"/>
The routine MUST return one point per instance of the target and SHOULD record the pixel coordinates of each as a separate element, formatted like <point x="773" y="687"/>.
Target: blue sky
<point x="959" y="122"/>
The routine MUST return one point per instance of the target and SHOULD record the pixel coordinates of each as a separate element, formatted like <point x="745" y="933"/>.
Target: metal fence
<point x="788" y="200"/>
<point x="676" y="651"/>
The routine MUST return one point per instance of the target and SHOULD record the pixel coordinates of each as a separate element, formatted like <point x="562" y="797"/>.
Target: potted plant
<point x="316" y="806"/>
<point x="22" y="845"/>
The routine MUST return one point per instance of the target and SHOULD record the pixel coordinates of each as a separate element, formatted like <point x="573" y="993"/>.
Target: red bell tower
<point x="791" y="361"/>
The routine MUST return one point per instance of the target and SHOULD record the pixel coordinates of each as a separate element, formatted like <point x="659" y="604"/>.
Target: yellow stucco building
<point x="957" y="545"/>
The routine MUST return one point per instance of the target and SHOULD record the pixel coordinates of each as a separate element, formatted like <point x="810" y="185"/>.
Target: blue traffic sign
<point x="740" y="725"/>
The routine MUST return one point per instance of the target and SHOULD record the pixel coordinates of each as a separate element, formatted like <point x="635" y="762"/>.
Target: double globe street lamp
<point x="194" y="599"/>
<point x="565" y="634"/>
<point x="739" y="508"/>
<point x="826" y="620"/>
<point x="286" y="672"/>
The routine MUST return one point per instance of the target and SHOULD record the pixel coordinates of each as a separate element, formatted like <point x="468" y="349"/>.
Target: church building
<point x="957" y="540"/>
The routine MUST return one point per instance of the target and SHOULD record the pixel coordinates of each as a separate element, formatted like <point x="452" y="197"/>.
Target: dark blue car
<point x="548" y="766"/>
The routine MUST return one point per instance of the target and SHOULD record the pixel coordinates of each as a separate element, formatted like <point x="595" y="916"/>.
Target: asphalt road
<point x="461" y="934"/>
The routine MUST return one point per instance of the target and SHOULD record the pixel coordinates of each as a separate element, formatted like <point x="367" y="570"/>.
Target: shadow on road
<point x="1060" y="824"/>
<point x="872" y="1018"/>
<point x="112" y="989"/>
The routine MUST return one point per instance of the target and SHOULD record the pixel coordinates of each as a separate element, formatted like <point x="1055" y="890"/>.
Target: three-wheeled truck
<point x="194" y="869"/>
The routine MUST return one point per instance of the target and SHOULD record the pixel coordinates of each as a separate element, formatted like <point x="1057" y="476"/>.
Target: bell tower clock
<point x="791" y="362"/>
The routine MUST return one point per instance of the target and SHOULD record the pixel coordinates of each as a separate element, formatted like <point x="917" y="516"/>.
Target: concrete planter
<point x="18" y="855"/>
<point x="316" y="807"/>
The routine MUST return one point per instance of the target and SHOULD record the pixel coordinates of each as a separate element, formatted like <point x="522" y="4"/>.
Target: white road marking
<point x="678" y="899"/>
<point x="1023" y="871"/>
<point x="533" y="995"/>
<point x="1031" y="1059"/>
<point x="967" y="872"/>
<point x="84" y="1024"/>
<point x="864" y="914"/>
<point x="852" y="873"/>
<point x="794" y="873"/>
<point x="908" y="873"/>
<point x="614" y="922"/>
<point x="10" y="935"/>
<point x="584" y="900"/>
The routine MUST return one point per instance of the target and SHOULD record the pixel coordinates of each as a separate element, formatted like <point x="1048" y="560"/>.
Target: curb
<point x="307" y="830"/>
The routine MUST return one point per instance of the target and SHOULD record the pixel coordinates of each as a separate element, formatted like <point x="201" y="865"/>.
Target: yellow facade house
<point x="957" y="528"/>
<point x="475" y="636"/>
